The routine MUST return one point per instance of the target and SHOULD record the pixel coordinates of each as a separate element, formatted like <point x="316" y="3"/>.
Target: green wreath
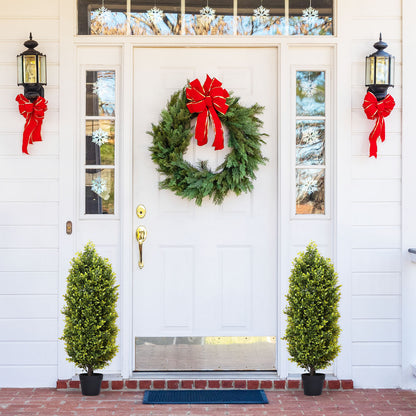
<point x="173" y="134"/>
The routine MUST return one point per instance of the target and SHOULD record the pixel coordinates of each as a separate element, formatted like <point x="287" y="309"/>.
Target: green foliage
<point x="90" y="312"/>
<point x="312" y="313"/>
<point x="172" y="136"/>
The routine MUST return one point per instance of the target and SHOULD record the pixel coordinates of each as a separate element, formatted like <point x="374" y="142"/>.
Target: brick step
<point x="158" y="384"/>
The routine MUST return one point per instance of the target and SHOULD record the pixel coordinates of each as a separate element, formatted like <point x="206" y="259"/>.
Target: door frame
<point x="69" y="44"/>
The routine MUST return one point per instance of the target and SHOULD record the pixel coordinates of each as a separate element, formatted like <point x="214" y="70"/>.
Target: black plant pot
<point x="91" y="385"/>
<point x="313" y="385"/>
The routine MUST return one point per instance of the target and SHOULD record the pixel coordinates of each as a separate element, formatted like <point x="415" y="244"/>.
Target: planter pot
<point x="313" y="385"/>
<point x="91" y="385"/>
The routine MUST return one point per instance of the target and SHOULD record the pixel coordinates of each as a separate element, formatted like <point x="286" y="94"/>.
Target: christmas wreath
<point x="173" y="134"/>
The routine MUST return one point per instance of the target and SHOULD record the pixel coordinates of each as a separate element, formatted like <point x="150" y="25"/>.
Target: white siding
<point x="376" y="209"/>
<point x="28" y="207"/>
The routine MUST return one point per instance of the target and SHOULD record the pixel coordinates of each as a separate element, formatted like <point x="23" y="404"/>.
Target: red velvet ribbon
<point x="377" y="110"/>
<point x="34" y="114"/>
<point x="207" y="100"/>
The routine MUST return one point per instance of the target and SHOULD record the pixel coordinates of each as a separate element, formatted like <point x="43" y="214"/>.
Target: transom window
<point x="205" y="17"/>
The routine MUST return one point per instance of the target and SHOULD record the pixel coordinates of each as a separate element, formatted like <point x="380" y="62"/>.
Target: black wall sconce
<point x="31" y="70"/>
<point x="379" y="71"/>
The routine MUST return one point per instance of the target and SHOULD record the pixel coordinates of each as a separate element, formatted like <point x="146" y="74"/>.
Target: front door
<point x="209" y="272"/>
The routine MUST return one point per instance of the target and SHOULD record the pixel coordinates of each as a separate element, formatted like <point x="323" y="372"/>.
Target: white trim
<point x="408" y="192"/>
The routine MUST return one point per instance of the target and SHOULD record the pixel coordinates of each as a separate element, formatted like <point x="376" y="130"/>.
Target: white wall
<point x="375" y="208"/>
<point x="28" y="207"/>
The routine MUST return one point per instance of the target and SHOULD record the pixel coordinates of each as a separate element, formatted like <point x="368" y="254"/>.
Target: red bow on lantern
<point x="207" y="100"/>
<point x="34" y="114"/>
<point x="377" y="110"/>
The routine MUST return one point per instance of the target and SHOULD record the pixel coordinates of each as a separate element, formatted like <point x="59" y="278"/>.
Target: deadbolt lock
<point x="141" y="211"/>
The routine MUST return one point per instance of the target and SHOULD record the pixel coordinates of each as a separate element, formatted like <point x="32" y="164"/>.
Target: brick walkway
<point x="46" y="402"/>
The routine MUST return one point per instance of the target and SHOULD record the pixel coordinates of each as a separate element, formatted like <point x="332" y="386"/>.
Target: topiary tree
<point x="90" y="312"/>
<point x="312" y="313"/>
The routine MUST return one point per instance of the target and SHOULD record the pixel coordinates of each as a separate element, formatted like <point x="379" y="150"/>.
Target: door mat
<point x="205" y="397"/>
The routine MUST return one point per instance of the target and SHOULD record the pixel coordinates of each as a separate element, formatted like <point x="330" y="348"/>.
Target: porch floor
<point x="46" y="402"/>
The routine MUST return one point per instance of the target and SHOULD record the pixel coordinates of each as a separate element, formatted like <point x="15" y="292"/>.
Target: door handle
<point x="141" y="235"/>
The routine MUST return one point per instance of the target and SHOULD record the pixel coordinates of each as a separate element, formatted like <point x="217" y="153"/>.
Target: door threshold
<point x="205" y="375"/>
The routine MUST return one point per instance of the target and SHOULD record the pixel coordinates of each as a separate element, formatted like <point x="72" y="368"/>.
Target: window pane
<point x="96" y="17"/>
<point x="310" y="93"/>
<point x="99" y="191"/>
<point x="310" y="191"/>
<point x="100" y="142"/>
<point x="155" y="18"/>
<point x="101" y="93"/>
<point x="310" y="142"/>
<point x="256" y="17"/>
<point x="217" y="20"/>
<point x="310" y="17"/>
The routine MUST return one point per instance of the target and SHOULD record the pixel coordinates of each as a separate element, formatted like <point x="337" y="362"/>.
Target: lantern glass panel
<point x="42" y="69"/>
<point x="369" y="76"/>
<point x="382" y="71"/>
<point x="29" y="69"/>
<point x="392" y="73"/>
<point x="19" y="70"/>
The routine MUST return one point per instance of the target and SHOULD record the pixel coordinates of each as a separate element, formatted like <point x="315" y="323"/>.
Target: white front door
<point x="208" y="270"/>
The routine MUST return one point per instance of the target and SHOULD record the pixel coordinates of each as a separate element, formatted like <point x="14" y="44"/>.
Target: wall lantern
<point x="31" y="73"/>
<point x="31" y="70"/>
<point x="379" y="71"/>
<point x="379" y="76"/>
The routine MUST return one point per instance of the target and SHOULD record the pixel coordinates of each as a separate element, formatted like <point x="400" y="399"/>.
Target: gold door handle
<point x="141" y="234"/>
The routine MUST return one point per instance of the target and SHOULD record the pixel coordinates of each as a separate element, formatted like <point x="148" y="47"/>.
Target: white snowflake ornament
<point x="207" y="13"/>
<point x="103" y="15"/>
<point x="310" y="14"/>
<point x="261" y="13"/>
<point x="99" y="137"/>
<point x="98" y="186"/>
<point x="308" y="87"/>
<point x="310" y="135"/>
<point x="155" y="14"/>
<point x="309" y="186"/>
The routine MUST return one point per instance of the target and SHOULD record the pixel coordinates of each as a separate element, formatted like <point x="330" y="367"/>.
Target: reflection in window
<point x="149" y="17"/>
<point x="99" y="191"/>
<point x="101" y="93"/>
<point x="310" y="142"/>
<point x="310" y="191"/>
<point x="310" y="93"/>
<point x="311" y="17"/>
<point x="214" y="17"/>
<point x="205" y="17"/>
<point x="100" y="141"/>
<point x="257" y="17"/>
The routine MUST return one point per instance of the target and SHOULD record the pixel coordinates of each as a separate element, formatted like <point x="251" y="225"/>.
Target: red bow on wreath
<point x="207" y="100"/>
<point x="377" y="110"/>
<point x="34" y="114"/>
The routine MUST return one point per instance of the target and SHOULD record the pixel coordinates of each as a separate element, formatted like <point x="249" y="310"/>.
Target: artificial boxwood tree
<point x="90" y="311"/>
<point x="312" y="313"/>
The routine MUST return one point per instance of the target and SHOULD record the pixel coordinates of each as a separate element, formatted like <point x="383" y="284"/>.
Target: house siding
<point x="29" y="204"/>
<point x="376" y="209"/>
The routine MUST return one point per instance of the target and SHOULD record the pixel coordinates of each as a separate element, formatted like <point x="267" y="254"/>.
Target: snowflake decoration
<point x="207" y="13"/>
<point x="309" y="186"/>
<point x="310" y="135"/>
<point x="308" y="87"/>
<point x="105" y="89"/>
<point x="98" y="186"/>
<point x="155" y="14"/>
<point x="261" y="13"/>
<point x="103" y="15"/>
<point x="309" y="15"/>
<point x="99" y="137"/>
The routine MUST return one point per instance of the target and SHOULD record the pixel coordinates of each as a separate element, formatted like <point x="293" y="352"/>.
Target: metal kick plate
<point x="141" y="211"/>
